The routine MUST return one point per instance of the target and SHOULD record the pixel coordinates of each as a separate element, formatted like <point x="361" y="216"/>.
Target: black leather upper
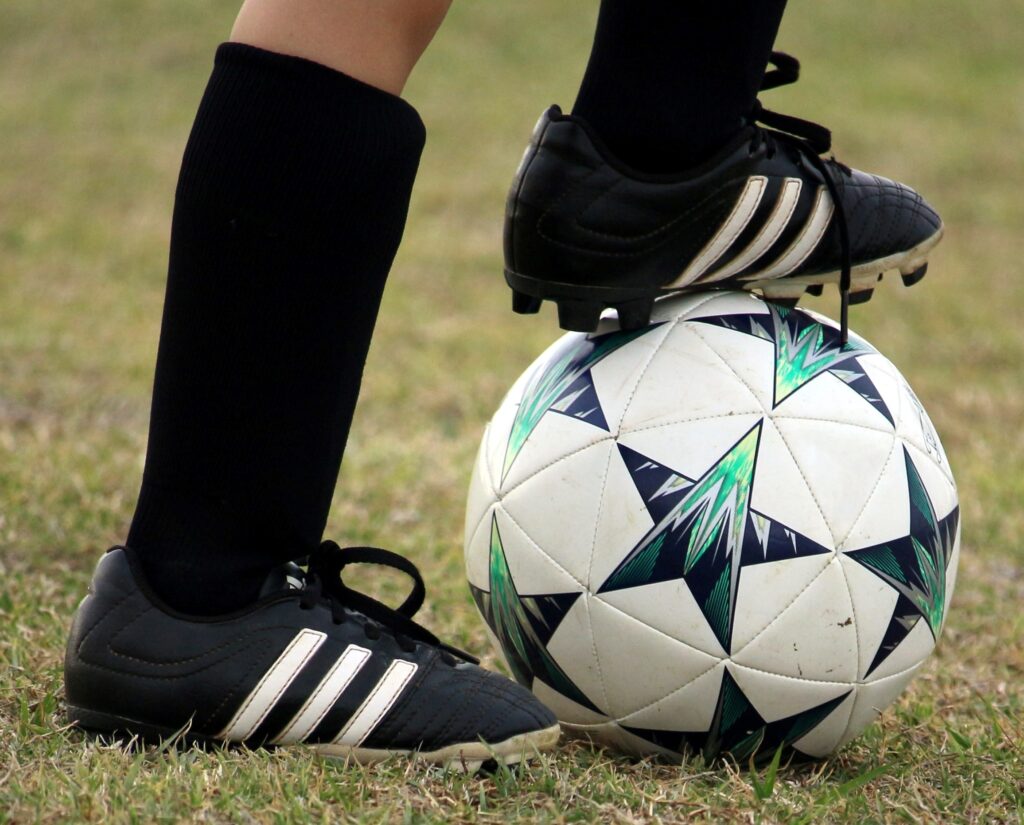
<point x="576" y="216"/>
<point x="883" y="217"/>
<point x="131" y="658"/>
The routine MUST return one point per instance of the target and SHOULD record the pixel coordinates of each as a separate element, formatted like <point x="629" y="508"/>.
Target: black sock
<point x="669" y="80"/>
<point x="291" y="203"/>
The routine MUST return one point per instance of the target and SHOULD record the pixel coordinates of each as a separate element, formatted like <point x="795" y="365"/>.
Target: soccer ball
<point x="725" y="533"/>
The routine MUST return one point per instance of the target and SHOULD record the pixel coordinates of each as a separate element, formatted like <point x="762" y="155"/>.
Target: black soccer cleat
<point x="311" y="662"/>
<point x="767" y="213"/>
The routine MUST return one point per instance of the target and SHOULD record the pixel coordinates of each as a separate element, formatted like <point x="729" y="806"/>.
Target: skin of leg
<point x="375" y="41"/>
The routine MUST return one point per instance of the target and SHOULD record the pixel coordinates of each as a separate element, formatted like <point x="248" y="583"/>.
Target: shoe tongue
<point x="287" y="577"/>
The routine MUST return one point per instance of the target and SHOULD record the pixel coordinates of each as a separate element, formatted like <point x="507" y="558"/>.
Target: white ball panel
<point x="612" y="736"/>
<point x="702" y="305"/>
<point x="533" y="571"/>
<point x="889" y="383"/>
<point x="690" y="448"/>
<point x="813" y="638"/>
<point x="767" y="589"/>
<point x="480" y="495"/>
<point x="666" y="393"/>
<point x="916" y="427"/>
<point x="616" y="375"/>
<point x="684" y="621"/>
<point x="885" y="515"/>
<point x="750" y="359"/>
<point x="495" y="442"/>
<point x="515" y="393"/>
<point x="572" y="646"/>
<point x="781" y="493"/>
<point x="689" y="708"/>
<point x="778" y="697"/>
<point x="555" y="437"/>
<point x="478" y="552"/>
<point x="828" y="398"/>
<point x="567" y="711"/>
<point x="824" y="737"/>
<point x="644" y="665"/>
<point x="841" y="467"/>
<point x="558" y="506"/>
<point x="913" y="650"/>
<point x="872" y="699"/>
<point x="621" y="522"/>
<point x="954" y="563"/>
<point x="873" y="601"/>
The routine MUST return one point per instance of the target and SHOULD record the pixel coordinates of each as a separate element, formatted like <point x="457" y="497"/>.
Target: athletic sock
<point x="669" y="81"/>
<point x="290" y="205"/>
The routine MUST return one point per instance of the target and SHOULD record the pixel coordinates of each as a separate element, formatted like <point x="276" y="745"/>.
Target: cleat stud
<point x="911" y="278"/>
<point x="862" y="296"/>
<point x="789" y="303"/>
<point x="525" y="304"/>
<point x="880" y="274"/>
<point x="786" y="294"/>
<point x="635" y="314"/>
<point x="815" y="290"/>
<point x="579" y="316"/>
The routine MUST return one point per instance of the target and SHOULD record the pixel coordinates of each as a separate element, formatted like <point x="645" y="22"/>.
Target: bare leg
<point x="376" y="41"/>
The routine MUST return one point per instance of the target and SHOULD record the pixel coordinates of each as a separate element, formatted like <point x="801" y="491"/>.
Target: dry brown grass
<point x="97" y="101"/>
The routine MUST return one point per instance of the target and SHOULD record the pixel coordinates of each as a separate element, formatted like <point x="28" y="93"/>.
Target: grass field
<point x="96" y="100"/>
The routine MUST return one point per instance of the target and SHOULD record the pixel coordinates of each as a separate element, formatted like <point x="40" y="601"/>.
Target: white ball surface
<point x="724" y="533"/>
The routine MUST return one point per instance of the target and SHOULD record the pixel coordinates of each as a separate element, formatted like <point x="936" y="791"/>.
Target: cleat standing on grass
<point x="767" y="213"/>
<point x="310" y="663"/>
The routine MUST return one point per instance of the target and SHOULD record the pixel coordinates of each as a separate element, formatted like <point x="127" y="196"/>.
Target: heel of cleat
<point x="580" y="306"/>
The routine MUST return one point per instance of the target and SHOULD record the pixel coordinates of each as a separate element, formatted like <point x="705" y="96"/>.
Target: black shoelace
<point x="812" y="141"/>
<point x="323" y="583"/>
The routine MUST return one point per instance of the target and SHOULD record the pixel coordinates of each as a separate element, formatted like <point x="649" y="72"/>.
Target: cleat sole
<point x="911" y="264"/>
<point x="468" y="757"/>
<point x="580" y="305"/>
